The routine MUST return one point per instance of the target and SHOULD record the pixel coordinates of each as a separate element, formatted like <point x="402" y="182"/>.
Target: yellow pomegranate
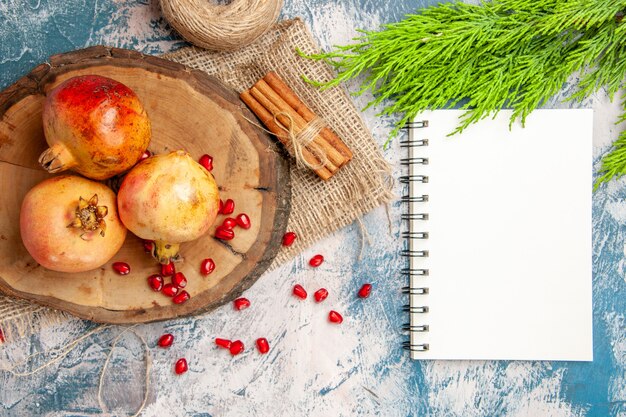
<point x="169" y="199"/>
<point x="70" y="224"/>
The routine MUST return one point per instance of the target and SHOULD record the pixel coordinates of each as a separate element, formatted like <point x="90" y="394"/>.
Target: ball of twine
<point x="221" y="27"/>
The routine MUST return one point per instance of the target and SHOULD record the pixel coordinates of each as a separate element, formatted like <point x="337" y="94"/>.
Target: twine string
<point x="304" y="140"/>
<point x="63" y="352"/>
<point x="103" y="406"/>
<point x="56" y="354"/>
<point x="297" y="142"/>
<point x="221" y="27"/>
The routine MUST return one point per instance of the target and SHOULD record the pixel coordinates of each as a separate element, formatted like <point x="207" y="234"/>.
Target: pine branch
<point x="482" y="58"/>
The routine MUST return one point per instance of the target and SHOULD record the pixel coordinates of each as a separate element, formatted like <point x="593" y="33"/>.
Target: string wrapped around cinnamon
<point x="306" y="136"/>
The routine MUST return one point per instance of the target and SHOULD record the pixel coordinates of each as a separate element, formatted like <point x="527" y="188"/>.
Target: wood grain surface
<point x="188" y="110"/>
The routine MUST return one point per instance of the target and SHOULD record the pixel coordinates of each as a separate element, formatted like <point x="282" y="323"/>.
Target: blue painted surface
<point x="314" y="368"/>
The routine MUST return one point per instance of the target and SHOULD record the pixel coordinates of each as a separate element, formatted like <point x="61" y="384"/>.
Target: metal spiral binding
<point x="415" y="272"/>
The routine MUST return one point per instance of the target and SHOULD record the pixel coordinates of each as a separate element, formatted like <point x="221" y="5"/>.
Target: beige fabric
<point x="317" y="208"/>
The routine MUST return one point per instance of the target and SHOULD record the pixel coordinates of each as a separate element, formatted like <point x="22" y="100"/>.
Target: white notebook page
<point x="509" y="237"/>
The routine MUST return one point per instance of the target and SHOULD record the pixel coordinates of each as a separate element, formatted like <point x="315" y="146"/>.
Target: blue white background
<point x="314" y="368"/>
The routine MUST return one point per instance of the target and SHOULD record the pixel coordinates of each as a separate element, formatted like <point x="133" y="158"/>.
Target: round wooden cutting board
<point x="189" y="110"/>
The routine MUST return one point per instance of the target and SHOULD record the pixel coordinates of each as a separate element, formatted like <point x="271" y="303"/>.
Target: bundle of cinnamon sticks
<point x="289" y="119"/>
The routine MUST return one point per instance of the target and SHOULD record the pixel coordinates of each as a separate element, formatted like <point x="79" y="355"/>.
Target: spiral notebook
<point x="499" y="237"/>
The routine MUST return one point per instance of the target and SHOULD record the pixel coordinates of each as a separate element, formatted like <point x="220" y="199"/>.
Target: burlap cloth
<point x="318" y="208"/>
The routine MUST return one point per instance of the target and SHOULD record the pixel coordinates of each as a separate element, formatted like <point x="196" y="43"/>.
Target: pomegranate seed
<point x="155" y="282"/>
<point x="223" y="343"/>
<point x="299" y="291"/>
<point x="170" y="290"/>
<point x="236" y="347"/>
<point x="262" y="345"/>
<point x="181" y="366"/>
<point x="179" y="280"/>
<point x="224" y="234"/>
<point x="320" y="295"/>
<point x="221" y="208"/>
<point x="148" y="246"/>
<point x="365" y="290"/>
<point x="166" y="340"/>
<point x="229" y="207"/>
<point x="121" y="268"/>
<point x="289" y="238"/>
<point x="229" y="223"/>
<point x="243" y="221"/>
<point x="145" y="155"/>
<point x="207" y="266"/>
<point x="334" y="317"/>
<point x="167" y="270"/>
<point x="181" y="297"/>
<point x="316" y="261"/>
<point x="1" y="336"/>
<point x="207" y="162"/>
<point x="241" y="303"/>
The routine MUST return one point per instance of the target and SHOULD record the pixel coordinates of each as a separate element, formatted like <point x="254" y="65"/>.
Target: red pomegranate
<point x="95" y="126"/>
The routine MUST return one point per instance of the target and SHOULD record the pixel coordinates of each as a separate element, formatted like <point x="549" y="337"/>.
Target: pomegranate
<point x="365" y="291"/>
<point x="181" y="366"/>
<point x="95" y="126"/>
<point x="236" y="347"/>
<point x="299" y="291"/>
<point x="320" y="295"/>
<point x="169" y="199"/>
<point x="335" y="317"/>
<point x="166" y="340"/>
<point x="223" y="343"/>
<point x="262" y="345"/>
<point x="70" y="224"/>
<point x="289" y="238"/>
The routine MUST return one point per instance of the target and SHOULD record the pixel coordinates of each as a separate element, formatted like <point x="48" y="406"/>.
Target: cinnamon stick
<point x="268" y="120"/>
<point x="332" y="153"/>
<point x="287" y="94"/>
<point x="283" y="119"/>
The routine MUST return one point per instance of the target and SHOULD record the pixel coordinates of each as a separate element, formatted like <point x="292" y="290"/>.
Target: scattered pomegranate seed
<point x="207" y="266"/>
<point x="181" y="297"/>
<point x="121" y="268"/>
<point x="229" y="223"/>
<point x="166" y="340"/>
<point x="243" y="221"/>
<point x="181" y="366"/>
<point x="145" y="155"/>
<point x="221" y="208"/>
<point x="1" y="336"/>
<point x="148" y="246"/>
<point x="334" y="317"/>
<point x="262" y="345"/>
<point x="299" y="291"/>
<point x="365" y="290"/>
<point x="207" y="162"/>
<point x="241" y="303"/>
<point x="155" y="282"/>
<point x="320" y="295"/>
<point x="229" y="207"/>
<point x="316" y="261"/>
<point x="179" y="280"/>
<point x="289" y="238"/>
<point x="170" y="290"/>
<point x="224" y="234"/>
<point x="223" y="343"/>
<point x="167" y="270"/>
<point x="236" y="347"/>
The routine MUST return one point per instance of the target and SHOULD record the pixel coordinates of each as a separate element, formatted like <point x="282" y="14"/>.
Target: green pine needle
<point x="504" y="53"/>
